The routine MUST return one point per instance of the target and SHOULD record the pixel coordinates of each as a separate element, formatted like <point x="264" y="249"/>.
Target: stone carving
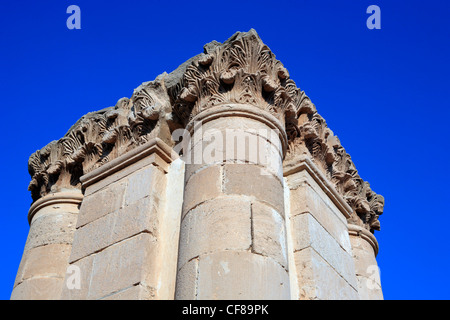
<point x="99" y="137"/>
<point x="309" y="133"/>
<point x="242" y="70"/>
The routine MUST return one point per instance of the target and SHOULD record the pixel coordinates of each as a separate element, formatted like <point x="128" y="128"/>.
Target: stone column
<point x="46" y="255"/>
<point x="232" y="237"/>
<point x="365" y="249"/>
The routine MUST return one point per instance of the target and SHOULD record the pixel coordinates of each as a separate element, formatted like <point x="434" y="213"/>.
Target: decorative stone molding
<point x="354" y="230"/>
<point x="153" y="147"/>
<point x="309" y="135"/>
<point x="99" y="137"/>
<point x="241" y="110"/>
<point x="242" y="70"/>
<point x="67" y="197"/>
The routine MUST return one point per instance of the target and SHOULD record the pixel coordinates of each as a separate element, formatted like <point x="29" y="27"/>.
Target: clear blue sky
<point x="385" y="93"/>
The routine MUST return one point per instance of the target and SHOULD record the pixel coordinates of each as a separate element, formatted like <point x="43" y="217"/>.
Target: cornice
<point x="154" y="146"/>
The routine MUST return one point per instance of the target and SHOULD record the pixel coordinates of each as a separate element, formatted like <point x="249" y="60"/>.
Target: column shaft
<point x="232" y="237"/>
<point x="364" y="249"/>
<point x="46" y="255"/>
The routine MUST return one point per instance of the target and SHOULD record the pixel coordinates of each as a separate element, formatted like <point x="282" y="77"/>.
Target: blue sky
<point x="383" y="92"/>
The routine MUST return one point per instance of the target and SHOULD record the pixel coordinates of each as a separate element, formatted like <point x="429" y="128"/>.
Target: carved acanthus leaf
<point x="308" y="132"/>
<point x="99" y="137"/>
<point x="241" y="70"/>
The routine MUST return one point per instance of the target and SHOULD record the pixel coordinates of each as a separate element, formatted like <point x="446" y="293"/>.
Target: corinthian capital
<point x="242" y="70"/>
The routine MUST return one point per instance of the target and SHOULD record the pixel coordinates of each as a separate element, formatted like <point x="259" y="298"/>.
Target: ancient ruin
<point x="121" y="211"/>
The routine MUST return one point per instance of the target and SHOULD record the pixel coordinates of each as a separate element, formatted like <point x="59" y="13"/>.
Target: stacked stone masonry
<point x="217" y="181"/>
<point x="232" y="228"/>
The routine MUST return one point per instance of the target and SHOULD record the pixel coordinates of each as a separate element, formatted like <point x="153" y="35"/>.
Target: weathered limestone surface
<point x="232" y="230"/>
<point x="319" y="239"/>
<point x="46" y="254"/>
<point x="365" y="249"/>
<point x="219" y="180"/>
<point x="136" y="233"/>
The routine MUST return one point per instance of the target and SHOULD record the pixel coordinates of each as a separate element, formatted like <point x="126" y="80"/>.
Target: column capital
<point x="242" y="70"/>
<point x="99" y="138"/>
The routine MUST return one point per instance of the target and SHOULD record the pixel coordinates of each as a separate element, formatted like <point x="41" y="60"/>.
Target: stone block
<point x="137" y="292"/>
<point x="253" y="181"/>
<point x="118" y="171"/>
<point x="186" y="286"/>
<point x="231" y="275"/>
<point x="57" y="208"/>
<point x="141" y="215"/>
<point x="269" y="158"/>
<point x="132" y="219"/>
<point x="52" y="228"/>
<point x="84" y="243"/>
<point x="365" y="263"/>
<point x="149" y="181"/>
<point x="234" y="123"/>
<point x="202" y="186"/>
<point x="192" y="169"/>
<point x="269" y="234"/>
<point x="238" y="141"/>
<point x="364" y="259"/>
<point x="122" y="265"/>
<point x="45" y="261"/>
<point x="312" y="198"/>
<point x="102" y="202"/>
<point x="38" y="289"/>
<point x="238" y="125"/>
<point x="317" y="280"/>
<point x="273" y="160"/>
<point x="369" y="289"/>
<point x="220" y="224"/>
<point x="307" y="232"/>
<point x="84" y="266"/>
<point x="362" y="244"/>
<point x="304" y="199"/>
